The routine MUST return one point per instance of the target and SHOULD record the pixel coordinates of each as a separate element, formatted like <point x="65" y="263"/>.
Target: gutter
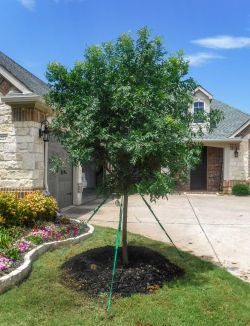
<point x="225" y="140"/>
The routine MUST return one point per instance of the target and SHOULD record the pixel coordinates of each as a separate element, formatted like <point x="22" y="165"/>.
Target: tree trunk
<point x="124" y="231"/>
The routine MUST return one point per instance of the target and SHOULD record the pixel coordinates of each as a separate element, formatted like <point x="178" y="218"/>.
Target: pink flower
<point x="75" y="231"/>
<point x="5" y="263"/>
<point x="24" y="246"/>
<point x="59" y="236"/>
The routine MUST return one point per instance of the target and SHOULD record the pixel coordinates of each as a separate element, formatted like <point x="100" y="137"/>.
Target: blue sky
<point x="215" y="35"/>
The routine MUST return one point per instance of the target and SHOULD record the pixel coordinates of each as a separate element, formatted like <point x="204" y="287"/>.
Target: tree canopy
<point x="126" y="107"/>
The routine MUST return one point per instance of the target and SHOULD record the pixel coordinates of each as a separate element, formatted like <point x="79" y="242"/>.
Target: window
<point x="198" y="112"/>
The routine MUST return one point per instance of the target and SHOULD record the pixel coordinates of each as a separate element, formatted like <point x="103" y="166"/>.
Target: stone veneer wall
<point x="21" y="154"/>
<point x="214" y="168"/>
<point x="239" y="167"/>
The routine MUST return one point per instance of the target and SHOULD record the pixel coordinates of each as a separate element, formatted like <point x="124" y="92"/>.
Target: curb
<point x="10" y="280"/>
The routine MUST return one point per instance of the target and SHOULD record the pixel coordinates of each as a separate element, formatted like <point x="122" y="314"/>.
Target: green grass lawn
<point x="207" y="295"/>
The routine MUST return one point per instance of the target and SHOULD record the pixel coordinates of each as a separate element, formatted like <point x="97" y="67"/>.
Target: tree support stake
<point x="162" y="227"/>
<point x="117" y="241"/>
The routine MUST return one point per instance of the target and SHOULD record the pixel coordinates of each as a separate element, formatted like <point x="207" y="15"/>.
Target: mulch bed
<point x="91" y="271"/>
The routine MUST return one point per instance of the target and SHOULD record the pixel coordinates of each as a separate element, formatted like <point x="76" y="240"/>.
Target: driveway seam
<point x="204" y="232"/>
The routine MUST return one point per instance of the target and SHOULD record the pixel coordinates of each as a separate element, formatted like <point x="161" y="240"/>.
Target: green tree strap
<point x="97" y="209"/>
<point x="162" y="227"/>
<point x="117" y="241"/>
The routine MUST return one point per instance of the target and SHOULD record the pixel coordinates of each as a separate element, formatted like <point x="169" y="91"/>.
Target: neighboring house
<point x="24" y="154"/>
<point x="225" y="157"/>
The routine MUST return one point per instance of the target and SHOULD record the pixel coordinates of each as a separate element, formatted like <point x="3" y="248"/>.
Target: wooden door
<point x="198" y="175"/>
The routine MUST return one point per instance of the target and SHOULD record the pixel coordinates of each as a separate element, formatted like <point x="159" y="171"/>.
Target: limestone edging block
<point x="10" y="280"/>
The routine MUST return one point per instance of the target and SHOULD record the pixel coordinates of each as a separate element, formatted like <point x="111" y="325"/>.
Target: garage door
<point x="60" y="183"/>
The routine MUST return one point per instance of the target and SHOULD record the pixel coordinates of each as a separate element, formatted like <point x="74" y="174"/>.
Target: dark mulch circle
<point x="91" y="271"/>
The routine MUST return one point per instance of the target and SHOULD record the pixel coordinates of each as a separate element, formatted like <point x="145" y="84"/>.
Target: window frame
<point x="197" y="109"/>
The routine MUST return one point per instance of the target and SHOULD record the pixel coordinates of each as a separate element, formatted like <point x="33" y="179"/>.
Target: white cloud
<point x="28" y="4"/>
<point x="60" y="1"/>
<point x="200" y="58"/>
<point x="223" y="42"/>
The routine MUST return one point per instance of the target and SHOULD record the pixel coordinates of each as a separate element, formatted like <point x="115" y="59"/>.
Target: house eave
<point x="203" y="90"/>
<point x="32" y="99"/>
<point x="239" y="130"/>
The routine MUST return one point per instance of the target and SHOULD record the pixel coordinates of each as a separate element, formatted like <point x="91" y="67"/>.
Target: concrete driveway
<point x="213" y="227"/>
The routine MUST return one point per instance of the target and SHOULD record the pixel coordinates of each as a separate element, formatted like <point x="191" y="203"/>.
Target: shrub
<point x="35" y="206"/>
<point x="8" y="209"/>
<point x="240" y="189"/>
<point x="2" y="221"/>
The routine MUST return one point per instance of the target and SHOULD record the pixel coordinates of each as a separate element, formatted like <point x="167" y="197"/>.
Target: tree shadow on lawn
<point x="195" y="268"/>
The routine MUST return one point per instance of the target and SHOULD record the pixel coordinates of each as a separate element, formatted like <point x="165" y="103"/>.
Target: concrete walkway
<point x="214" y="227"/>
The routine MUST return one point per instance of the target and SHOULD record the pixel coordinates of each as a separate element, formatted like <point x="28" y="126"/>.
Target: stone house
<point x="225" y="157"/>
<point x="24" y="155"/>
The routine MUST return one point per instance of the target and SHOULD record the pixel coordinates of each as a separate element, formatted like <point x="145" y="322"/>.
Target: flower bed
<point x="30" y="226"/>
<point x="16" y="242"/>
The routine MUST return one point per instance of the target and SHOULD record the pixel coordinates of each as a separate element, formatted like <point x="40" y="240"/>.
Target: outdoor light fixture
<point x="44" y="131"/>
<point x="235" y="148"/>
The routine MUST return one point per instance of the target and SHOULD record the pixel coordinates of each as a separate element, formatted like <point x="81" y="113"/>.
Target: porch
<point x="222" y="164"/>
<point x="208" y="175"/>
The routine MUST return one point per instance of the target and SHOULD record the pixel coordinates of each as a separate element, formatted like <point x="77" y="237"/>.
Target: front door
<point x="198" y="175"/>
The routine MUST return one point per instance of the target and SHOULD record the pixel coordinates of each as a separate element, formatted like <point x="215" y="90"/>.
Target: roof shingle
<point x="33" y="83"/>
<point x="233" y="120"/>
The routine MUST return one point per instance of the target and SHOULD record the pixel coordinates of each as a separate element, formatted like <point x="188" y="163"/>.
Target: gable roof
<point x="233" y="120"/>
<point x="203" y="90"/>
<point x="33" y="83"/>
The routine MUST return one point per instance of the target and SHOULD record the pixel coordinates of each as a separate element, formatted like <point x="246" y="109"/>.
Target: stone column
<point x="77" y="185"/>
<point x="22" y="157"/>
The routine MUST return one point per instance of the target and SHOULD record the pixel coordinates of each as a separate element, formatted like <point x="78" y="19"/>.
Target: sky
<point x="214" y="35"/>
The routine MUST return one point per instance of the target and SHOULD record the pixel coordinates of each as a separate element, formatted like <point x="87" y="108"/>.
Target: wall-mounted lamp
<point x="44" y="131"/>
<point x="235" y="148"/>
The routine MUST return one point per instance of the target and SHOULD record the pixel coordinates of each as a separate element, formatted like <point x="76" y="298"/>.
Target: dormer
<point x="201" y="102"/>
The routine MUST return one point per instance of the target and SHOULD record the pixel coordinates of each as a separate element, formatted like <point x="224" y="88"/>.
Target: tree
<point x="125" y="107"/>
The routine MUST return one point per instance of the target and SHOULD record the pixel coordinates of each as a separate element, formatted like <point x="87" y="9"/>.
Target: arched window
<point x="198" y="111"/>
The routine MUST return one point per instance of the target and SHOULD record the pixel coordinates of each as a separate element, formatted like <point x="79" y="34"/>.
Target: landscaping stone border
<point x="10" y="280"/>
